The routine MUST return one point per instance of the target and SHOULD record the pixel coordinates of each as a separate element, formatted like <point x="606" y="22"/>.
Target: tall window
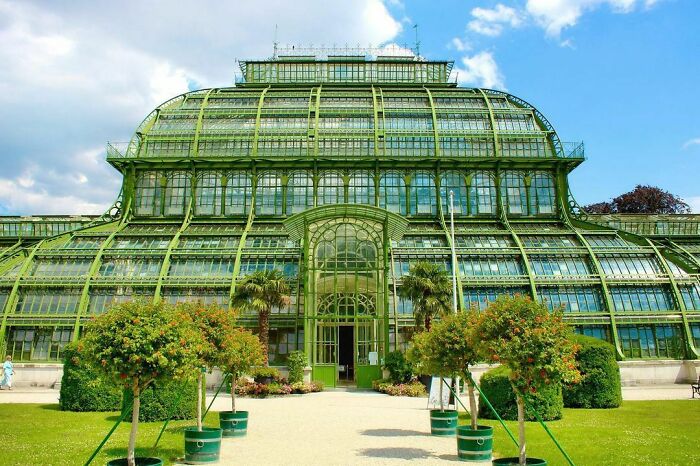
<point x="455" y="182"/>
<point x="177" y="193"/>
<point x="361" y="188"/>
<point x="422" y="194"/>
<point x="300" y="192"/>
<point x="331" y="189"/>
<point x="542" y="195"/>
<point x="268" y="198"/>
<point x="514" y="193"/>
<point x="208" y="194"/>
<point x="392" y="193"/>
<point x="148" y="192"/>
<point x="482" y="194"/>
<point x="238" y="193"/>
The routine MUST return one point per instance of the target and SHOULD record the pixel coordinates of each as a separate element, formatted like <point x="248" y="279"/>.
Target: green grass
<point x="640" y="432"/>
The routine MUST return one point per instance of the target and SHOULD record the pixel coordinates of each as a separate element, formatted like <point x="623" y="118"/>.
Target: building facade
<point x="337" y="171"/>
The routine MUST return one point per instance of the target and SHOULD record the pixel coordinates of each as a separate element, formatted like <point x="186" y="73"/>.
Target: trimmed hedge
<point x="296" y="362"/>
<point x="496" y="386"/>
<point x="83" y="389"/>
<point x="600" y="385"/>
<point x="163" y="401"/>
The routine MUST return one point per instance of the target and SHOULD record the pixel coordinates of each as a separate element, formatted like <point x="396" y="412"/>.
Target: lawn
<point x="640" y="432"/>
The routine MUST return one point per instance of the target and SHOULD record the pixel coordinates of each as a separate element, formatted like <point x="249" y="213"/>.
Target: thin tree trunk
<point x="264" y="324"/>
<point x="521" y="428"/>
<point x="427" y="322"/>
<point x="233" y="393"/>
<point x="199" y="402"/>
<point x="130" y="456"/>
<point x="472" y="401"/>
<point x="442" y="404"/>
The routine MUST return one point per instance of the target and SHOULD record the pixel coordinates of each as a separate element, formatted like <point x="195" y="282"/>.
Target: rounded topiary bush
<point x="82" y="388"/>
<point x="166" y="400"/>
<point x="296" y="362"/>
<point x="496" y="386"/>
<point x="600" y="385"/>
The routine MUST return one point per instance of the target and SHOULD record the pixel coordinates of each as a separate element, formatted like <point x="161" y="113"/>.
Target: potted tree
<point x="136" y="344"/>
<point x="425" y="354"/>
<point x="535" y="344"/>
<point x="203" y="444"/>
<point x="241" y="350"/>
<point x="457" y="348"/>
<point x="260" y="292"/>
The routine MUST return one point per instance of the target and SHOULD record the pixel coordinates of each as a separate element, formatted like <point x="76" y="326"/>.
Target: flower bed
<point x="412" y="388"/>
<point x="260" y="390"/>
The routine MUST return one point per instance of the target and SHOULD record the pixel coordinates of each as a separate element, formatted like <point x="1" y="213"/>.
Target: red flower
<point x="122" y="375"/>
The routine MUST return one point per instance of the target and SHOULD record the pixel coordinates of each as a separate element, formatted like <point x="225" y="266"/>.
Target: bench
<point x="695" y="387"/>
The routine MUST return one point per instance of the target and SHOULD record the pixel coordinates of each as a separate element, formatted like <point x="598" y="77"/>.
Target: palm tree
<point x="260" y="292"/>
<point x="428" y="286"/>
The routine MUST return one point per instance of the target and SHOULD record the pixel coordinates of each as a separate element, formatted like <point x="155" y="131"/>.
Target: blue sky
<point x="620" y="75"/>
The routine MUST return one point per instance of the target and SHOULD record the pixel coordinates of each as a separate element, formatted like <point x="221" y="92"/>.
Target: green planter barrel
<point x="140" y="461"/>
<point x="514" y="461"/>
<point x="443" y="422"/>
<point x="202" y="447"/>
<point x="233" y="424"/>
<point x="474" y="444"/>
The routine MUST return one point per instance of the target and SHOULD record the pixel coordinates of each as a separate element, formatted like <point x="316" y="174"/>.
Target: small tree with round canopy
<point x="534" y="343"/>
<point x="260" y="292"/>
<point x="240" y="351"/>
<point x="214" y="324"/>
<point x="138" y="343"/>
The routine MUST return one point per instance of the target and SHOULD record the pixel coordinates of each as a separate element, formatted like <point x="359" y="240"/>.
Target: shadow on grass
<point x="163" y="453"/>
<point x="393" y="433"/>
<point x="51" y="407"/>
<point x="396" y="453"/>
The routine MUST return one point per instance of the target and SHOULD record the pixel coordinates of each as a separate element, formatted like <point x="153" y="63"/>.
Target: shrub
<point x="302" y="387"/>
<point x="296" y="362"/>
<point x="496" y="385"/>
<point x="260" y="373"/>
<point x="600" y="376"/>
<point x="165" y="400"/>
<point x="400" y="369"/>
<point x="83" y="388"/>
<point x="412" y="389"/>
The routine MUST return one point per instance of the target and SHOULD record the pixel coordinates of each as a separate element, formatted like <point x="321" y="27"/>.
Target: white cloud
<point x="459" y="45"/>
<point x="490" y="22"/>
<point x="694" y="203"/>
<point x="77" y="74"/>
<point x="691" y="142"/>
<point x="480" y="70"/>
<point x="555" y="15"/>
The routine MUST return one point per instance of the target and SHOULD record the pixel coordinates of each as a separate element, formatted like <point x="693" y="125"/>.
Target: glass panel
<point x="392" y="193"/>
<point x="300" y="192"/>
<point x="268" y="199"/>
<point x="423" y="194"/>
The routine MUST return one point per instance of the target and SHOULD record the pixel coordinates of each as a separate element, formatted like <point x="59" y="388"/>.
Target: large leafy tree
<point x="428" y="286"/>
<point x="260" y="292"/>
<point x="138" y="343"/>
<point x="642" y="200"/>
<point x="534" y="343"/>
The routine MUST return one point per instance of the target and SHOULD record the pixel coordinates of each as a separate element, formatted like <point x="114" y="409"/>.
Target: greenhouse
<point x="336" y="170"/>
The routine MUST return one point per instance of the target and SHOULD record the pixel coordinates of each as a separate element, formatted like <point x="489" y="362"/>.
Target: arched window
<point x="361" y="188"/>
<point x="238" y="193"/>
<point x="542" y="194"/>
<point x="177" y="193"/>
<point x="453" y="181"/>
<point x="331" y="189"/>
<point x="268" y="196"/>
<point x="300" y="192"/>
<point x="482" y="194"/>
<point x="148" y="192"/>
<point x="513" y="192"/>
<point x="208" y="194"/>
<point x="422" y="194"/>
<point x="392" y="193"/>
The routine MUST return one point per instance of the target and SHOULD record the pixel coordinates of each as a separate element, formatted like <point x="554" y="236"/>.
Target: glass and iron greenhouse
<point x="337" y="170"/>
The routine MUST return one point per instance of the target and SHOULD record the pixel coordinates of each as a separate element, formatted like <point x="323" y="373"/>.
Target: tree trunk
<point x="442" y="404"/>
<point x="427" y="322"/>
<point x="472" y="401"/>
<point x="130" y="456"/>
<point x="521" y="428"/>
<point x="199" y="402"/>
<point x="233" y="393"/>
<point x="264" y="325"/>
